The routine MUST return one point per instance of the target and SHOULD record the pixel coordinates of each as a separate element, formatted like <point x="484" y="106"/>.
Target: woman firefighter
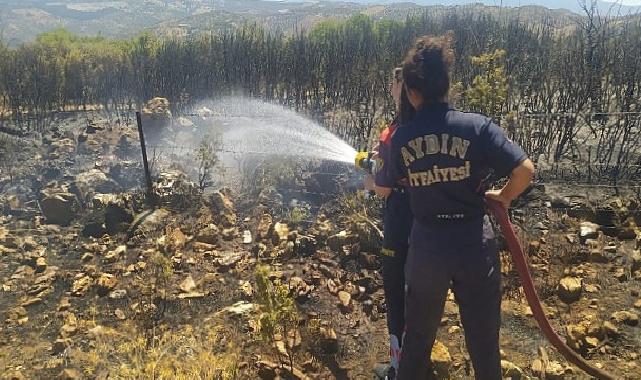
<point x="397" y="223"/>
<point x="445" y="155"/>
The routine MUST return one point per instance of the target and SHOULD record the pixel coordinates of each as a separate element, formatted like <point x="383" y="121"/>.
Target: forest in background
<point x="566" y="94"/>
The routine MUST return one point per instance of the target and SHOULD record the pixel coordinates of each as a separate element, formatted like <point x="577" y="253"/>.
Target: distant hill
<point x="289" y="16"/>
<point x="572" y="5"/>
<point x="23" y="20"/>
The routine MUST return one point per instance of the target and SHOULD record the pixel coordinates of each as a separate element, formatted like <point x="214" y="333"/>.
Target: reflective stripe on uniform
<point x="388" y="252"/>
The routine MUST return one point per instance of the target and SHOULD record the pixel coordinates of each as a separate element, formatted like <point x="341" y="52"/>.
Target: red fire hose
<point x="518" y="257"/>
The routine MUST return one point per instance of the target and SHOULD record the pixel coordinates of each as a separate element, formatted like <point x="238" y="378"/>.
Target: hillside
<point x="571" y="5"/>
<point x="22" y="21"/>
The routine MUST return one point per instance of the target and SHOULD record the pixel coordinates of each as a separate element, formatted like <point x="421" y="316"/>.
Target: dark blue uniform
<point x="445" y="155"/>
<point x="397" y="224"/>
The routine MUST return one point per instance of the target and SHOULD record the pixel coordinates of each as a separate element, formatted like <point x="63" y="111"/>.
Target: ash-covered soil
<point x="97" y="283"/>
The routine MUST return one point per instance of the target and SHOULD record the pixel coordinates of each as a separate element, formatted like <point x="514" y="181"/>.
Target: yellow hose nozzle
<point x="363" y="161"/>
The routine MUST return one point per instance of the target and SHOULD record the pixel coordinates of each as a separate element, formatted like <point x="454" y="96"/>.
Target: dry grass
<point x="187" y="352"/>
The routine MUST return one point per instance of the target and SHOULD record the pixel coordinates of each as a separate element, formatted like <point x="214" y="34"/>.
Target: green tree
<point x="488" y="92"/>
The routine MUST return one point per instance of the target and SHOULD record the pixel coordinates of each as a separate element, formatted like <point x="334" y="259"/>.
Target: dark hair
<point x="426" y="67"/>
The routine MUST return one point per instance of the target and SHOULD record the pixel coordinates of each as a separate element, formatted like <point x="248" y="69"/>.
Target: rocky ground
<point x="98" y="283"/>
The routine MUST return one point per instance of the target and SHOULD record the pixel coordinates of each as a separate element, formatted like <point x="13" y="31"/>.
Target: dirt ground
<point x="98" y="284"/>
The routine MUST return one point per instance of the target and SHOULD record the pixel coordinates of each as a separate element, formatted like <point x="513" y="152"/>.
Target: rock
<point x="264" y="227"/>
<point x="571" y="239"/>
<point x="247" y="237"/>
<point x="270" y="196"/>
<point x="70" y="326"/>
<point x="113" y="256"/>
<point x="191" y="295"/>
<point x="627" y="230"/>
<point x="156" y="118"/>
<point x="207" y="279"/>
<point x="620" y="274"/>
<point x="337" y="241"/>
<point x="100" y="201"/>
<point x="585" y="335"/>
<point x="106" y="283"/>
<point x="175" y="240"/>
<point x="281" y="232"/>
<point x="240" y="308"/>
<point x="221" y="201"/>
<point x="183" y="122"/>
<point x="230" y="233"/>
<point x="322" y="229"/>
<point x="59" y="208"/>
<point x="606" y="215"/>
<point x="101" y="332"/>
<point x="329" y="340"/>
<point x="64" y="304"/>
<point x="441" y="360"/>
<point x="94" y="181"/>
<point x="588" y="230"/>
<point x="305" y="245"/>
<point x="188" y="284"/>
<point x="332" y="287"/>
<point x="228" y="259"/>
<point x="610" y="330"/>
<point x="569" y="289"/>
<point x="95" y="227"/>
<point x="203" y="247"/>
<point x="281" y="348"/>
<point x="345" y="300"/>
<point x="41" y="264"/>
<point x="627" y="317"/>
<point x="510" y="370"/>
<point x="60" y="345"/>
<point x="245" y="288"/>
<point x="270" y="371"/>
<point x="17" y="316"/>
<point x="635" y="260"/>
<point x="120" y="314"/>
<point x="81" y="285"/>
<point x="637" y="304"/>
<point x="597" y="255"/>
<point x="554" y="370"/>
<point x="537" y="367"/>
<point x="31" y="301"/>
<point x="267" y="371"/>
<point x="222" y="208"/>
<point x="208" y="235"/>
<point x="156" y="107"/>
<point x="118" y="217"/>
<point x="15" y="375"/>
<point x="69" y="374"/>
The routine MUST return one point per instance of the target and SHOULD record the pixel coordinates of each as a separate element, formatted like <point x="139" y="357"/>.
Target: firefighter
<point x="445" y="155"/>
<point x="397" y="223"/>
